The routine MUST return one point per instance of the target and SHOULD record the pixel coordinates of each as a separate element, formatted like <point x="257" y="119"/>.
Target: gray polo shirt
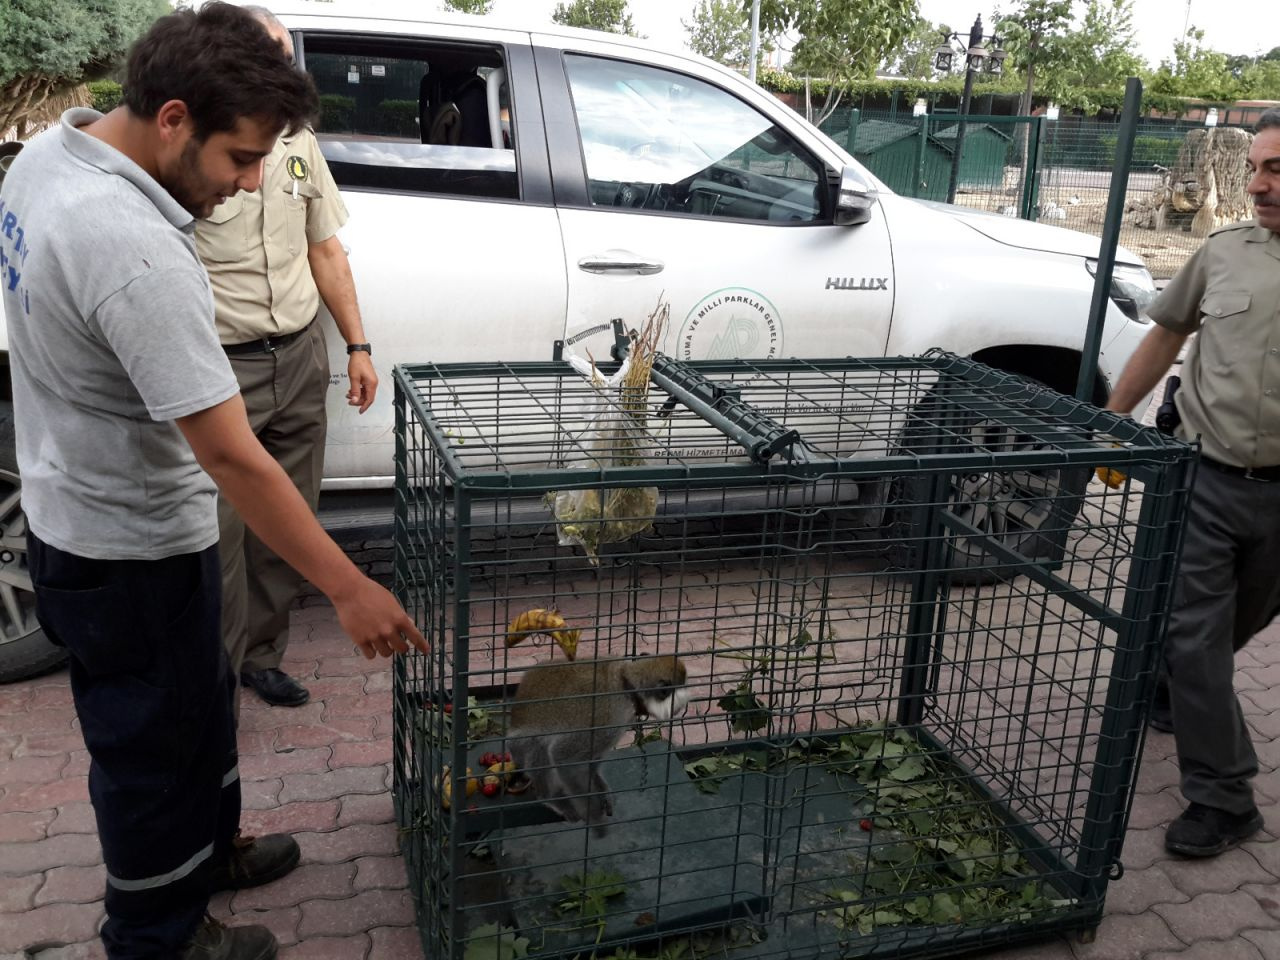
<point x="111" y="339"/>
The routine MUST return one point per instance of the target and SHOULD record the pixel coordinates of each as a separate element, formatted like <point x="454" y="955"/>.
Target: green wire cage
<point x="919" y="638"/>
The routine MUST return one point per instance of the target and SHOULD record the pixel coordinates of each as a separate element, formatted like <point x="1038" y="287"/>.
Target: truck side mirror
<point x="855" y="198"/>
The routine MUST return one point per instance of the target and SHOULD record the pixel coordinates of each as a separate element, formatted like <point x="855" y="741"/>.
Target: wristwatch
<point x="359" y="348"/>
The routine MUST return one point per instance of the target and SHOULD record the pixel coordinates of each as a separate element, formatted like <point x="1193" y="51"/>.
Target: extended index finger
<point x="414" y="636"/>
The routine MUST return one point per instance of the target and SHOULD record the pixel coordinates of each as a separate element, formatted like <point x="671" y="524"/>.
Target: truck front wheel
<point x="24" y="649"/>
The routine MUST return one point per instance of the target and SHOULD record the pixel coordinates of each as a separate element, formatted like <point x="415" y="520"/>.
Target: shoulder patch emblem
<point x="297" y="167"/>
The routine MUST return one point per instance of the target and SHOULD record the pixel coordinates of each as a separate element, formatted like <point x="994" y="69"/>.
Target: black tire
<point x="1028" y="511"/>
<point x="24" y="649"/>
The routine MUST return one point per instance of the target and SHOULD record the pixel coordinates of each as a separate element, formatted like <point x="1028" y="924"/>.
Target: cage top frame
<point x="1066" y="432"/>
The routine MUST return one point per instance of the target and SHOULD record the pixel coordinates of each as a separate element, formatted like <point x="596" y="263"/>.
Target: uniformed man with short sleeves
<point x="1228" y="587"/>
<point x="272" y="256"/>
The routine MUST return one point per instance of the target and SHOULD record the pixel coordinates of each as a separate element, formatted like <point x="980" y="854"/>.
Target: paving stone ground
<point x="322" y="770"/>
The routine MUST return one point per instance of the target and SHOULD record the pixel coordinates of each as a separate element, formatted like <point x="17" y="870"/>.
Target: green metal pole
<point x="921" y="150"/>
<point x="1110" y="239"/>
<point x="1031" y="189"/>
<point x="852" y="133"/>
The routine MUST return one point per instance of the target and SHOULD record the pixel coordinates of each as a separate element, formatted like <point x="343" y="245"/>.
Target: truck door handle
<point x="607" y="263"/>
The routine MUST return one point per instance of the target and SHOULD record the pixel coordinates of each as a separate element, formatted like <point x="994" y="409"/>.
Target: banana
<point x="537" y="620"/>
<point x="445" y="784"/>
<point x="568" y="640"/>
<point x="540" y="620"/>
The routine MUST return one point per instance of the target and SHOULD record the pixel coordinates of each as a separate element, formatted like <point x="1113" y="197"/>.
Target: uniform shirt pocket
<point x="299" y="194"/>
<point x="221" y="237"/>
<point x="1224" y="334"/>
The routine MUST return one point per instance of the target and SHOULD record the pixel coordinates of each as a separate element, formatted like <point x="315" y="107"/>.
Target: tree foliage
<point x="947" y="90"/>
<point x="721" y="31"/>
<point x="840" y="41"/>
<point x="50" y="45"/>
<point x="1261" y="80"/>
<point x="1059" y="55"/>
<point x="478" y="7"/>
<point x="915" y="59"/>
<point x="1196" y="71"/>
<point x="611" y="16"/>
<point x="1102" y="51"/>
<point x="1035" y="36"/>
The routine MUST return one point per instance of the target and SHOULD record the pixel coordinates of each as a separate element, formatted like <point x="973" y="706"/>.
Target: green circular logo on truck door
<point x="729" y="324"/>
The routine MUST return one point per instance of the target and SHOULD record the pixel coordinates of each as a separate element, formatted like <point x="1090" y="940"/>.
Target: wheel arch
<point x="1056" y="367"/>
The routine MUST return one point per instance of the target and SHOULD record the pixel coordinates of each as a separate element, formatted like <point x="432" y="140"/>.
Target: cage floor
<point x="679" y="856"/>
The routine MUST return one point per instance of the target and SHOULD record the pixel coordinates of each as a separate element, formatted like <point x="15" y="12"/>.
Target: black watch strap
<point x="359" y="348"/>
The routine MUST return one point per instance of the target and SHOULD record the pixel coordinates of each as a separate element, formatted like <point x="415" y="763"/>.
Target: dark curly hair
<point x="223" y="65"/>
<point x="1269" y="120"/>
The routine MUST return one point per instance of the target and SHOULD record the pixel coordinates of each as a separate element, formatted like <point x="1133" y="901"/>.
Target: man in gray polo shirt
<point x="127" y="415"/>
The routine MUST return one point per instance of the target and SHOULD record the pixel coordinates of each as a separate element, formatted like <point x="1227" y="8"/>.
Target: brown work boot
<point x="255" y="861"/>
<point x="216" y="941"/>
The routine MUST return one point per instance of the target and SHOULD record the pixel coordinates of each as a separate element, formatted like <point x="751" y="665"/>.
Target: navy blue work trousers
<point x="153" y="693"/>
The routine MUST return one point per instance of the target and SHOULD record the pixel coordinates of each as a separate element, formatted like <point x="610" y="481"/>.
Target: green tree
<point x="720" y="31"/>
<point x="1102" y="52"/>
<point x="915" y="59"/>
<point x="52" y="45"/>
<point x="1196" y="71"/>
<point x="611" y="16"/>
<point x="840" y="41"/>
<point x="1036" y="38"/>
<point x="1261" y="81"/>
<point x="478" y="7"/>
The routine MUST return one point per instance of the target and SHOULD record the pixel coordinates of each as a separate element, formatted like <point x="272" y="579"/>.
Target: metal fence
<point x="918" y="641"/>
<point x="1054" y="171"/>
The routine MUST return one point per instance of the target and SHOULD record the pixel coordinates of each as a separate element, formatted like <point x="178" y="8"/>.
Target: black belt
<point x="1261" y="474"/>
<point x="265" y="344"/>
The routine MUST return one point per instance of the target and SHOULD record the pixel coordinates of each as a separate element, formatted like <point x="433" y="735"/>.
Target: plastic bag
<point x="616" y="416"/>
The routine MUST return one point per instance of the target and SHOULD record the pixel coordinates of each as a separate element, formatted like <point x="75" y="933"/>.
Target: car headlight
<point x="1132" y="288"/>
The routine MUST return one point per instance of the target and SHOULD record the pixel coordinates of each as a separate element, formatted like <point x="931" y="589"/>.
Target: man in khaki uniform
<point x="1229" y="581"/>
<point x="272" y="255"/>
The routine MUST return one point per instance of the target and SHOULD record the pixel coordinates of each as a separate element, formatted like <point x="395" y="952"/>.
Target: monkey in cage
<point x="567" y="716"/>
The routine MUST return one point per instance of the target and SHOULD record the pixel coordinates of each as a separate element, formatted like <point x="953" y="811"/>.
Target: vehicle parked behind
<point x="511" y="188"/>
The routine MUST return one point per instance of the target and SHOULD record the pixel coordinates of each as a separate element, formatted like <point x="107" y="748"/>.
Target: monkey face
<point x="660" y="684"/>
<point x="664" y="704"/>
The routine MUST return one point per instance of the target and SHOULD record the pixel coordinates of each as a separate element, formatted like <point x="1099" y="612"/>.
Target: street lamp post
<point x="976" y="58"/>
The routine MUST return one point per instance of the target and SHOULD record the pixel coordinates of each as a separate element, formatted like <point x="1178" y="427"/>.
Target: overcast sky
<point x="1232" y="26"/>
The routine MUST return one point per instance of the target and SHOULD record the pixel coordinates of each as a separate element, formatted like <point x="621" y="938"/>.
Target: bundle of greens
<point x="615" y="436"/>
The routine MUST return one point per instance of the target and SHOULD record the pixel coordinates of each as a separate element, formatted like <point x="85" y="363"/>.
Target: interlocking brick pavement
<point x="321" y="772"/>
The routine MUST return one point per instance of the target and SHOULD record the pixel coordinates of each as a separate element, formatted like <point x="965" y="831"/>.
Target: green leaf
<point x="491" y="942"/>
<point x="945" y="909"/>
<point x="922" y="822"/>
<point x="962" y="867"/>
<point x="887" y="749"/>
<point x="920" y="908"/>
<point x="911" y="768"/>
<point x="747" y="714"/>
<point x="704" y="767"/>
<point x="895" y="853"/>
<point x="880" y="918"/>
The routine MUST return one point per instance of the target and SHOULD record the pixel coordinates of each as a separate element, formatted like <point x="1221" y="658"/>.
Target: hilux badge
<point x="857" y="283"/>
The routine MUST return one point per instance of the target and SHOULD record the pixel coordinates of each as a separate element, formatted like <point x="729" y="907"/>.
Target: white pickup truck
<point x="509" y="188"/>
